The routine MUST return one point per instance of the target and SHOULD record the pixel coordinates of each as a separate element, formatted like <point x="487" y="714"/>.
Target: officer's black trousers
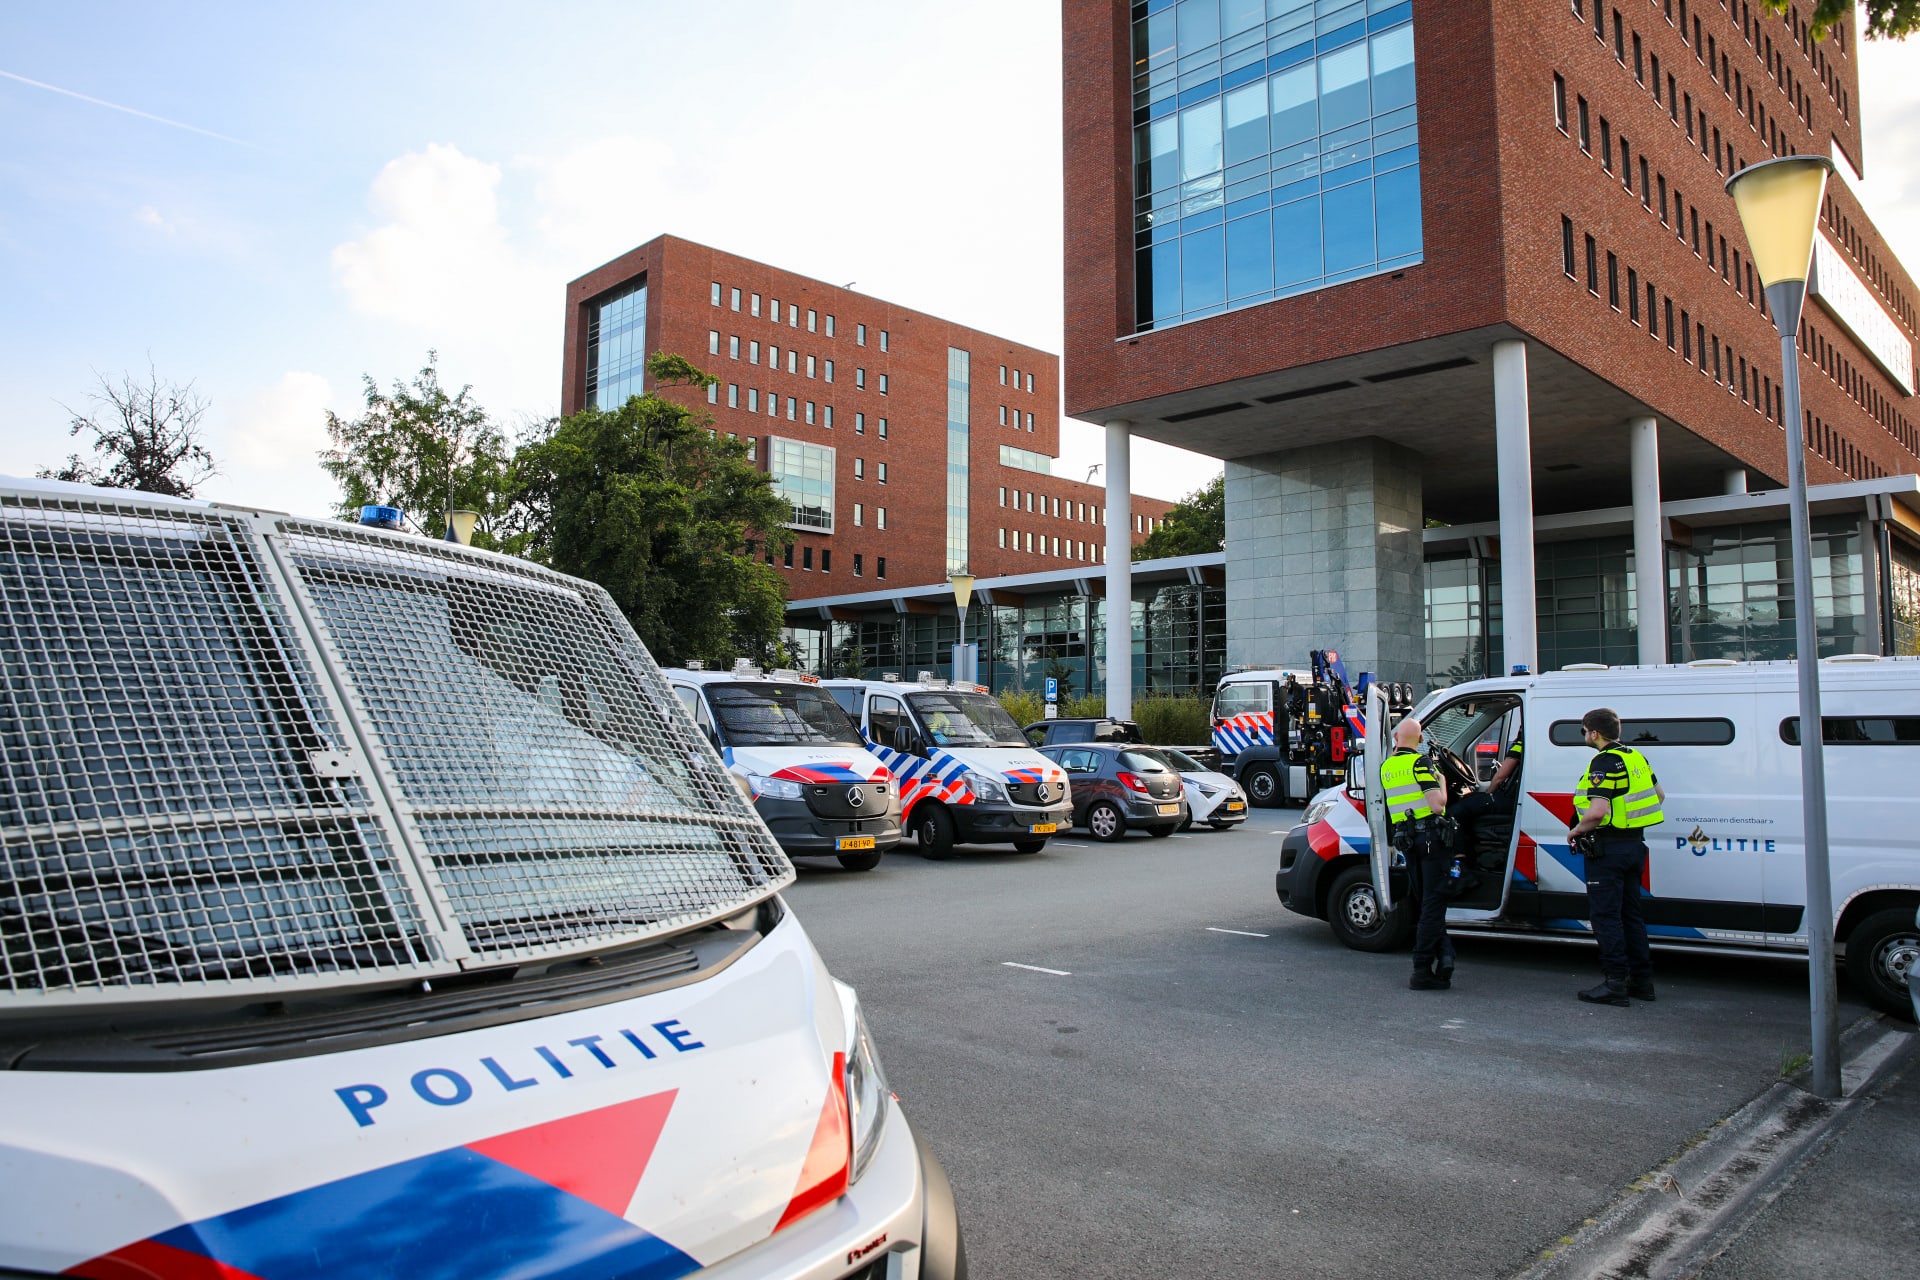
<point x="1427" y="868"/>
<point x="1613" y="894"/>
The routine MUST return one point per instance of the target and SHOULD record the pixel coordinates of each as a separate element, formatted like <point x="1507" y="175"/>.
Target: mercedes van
<point x="813" y="782"/>
<point x="1727" y="869"/>
<point x="966" y="774"/>
<point x="370" y="906"/>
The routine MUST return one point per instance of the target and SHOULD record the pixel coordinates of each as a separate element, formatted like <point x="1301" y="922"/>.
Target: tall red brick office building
<point x="910" y="446"/>
<point x="1472" y="262"/>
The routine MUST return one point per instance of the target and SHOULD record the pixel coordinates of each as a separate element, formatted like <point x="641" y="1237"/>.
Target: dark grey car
<point x="1116" y="786"/>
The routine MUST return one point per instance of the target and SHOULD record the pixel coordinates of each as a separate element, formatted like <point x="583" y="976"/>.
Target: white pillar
<point x="1119" y="570"/>
<point x="1733" y="480"/>
<point x="1513" y="456"/>
<point x="1649" y="549"/>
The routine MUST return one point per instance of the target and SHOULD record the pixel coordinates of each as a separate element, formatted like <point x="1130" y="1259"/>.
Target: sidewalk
<point x="1789" y="1185"/>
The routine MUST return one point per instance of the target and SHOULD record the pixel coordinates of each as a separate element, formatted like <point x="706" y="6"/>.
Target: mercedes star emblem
<point x="856" y="797"/>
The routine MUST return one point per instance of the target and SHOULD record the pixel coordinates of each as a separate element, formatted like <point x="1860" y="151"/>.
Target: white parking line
<point x="1242" y="932"/>
<point x="1058" y="973"/>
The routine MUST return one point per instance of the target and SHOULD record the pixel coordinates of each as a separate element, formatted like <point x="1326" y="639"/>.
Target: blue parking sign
<point x="1053" y="689"/>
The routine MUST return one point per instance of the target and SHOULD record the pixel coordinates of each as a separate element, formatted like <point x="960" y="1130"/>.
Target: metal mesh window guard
<point x="422" y="754"/>
<point x="161" y="821"/>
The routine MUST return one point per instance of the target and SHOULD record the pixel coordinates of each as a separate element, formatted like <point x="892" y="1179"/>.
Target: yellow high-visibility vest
<point x="1630" y="810"/>
<point x="1405" y="779"/>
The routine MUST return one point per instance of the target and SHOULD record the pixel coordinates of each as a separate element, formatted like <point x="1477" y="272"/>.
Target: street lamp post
<point x="962" y="583"/>
<point x="1779" y="204"/>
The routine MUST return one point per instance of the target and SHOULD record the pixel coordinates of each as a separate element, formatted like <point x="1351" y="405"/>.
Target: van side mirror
<point x="1357" y="775"/>
<point x="906" y="740"/>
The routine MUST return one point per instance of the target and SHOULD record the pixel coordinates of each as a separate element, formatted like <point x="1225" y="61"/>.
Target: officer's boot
<point x="1641" y="988"/>
<point x="1612" y="991"/>
<point x="1425" y="979"/>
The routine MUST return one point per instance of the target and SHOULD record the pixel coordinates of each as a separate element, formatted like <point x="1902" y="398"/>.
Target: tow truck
<point x="1284" y="735"/>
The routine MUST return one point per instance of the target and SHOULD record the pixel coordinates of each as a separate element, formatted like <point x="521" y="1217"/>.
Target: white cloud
<point x="148" y="216"/>
<point x="280" y="427"/>
<point x="604" y="197"/>
<point x="1890" y="107"/>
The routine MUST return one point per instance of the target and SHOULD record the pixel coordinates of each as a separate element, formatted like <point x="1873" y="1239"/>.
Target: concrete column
<point x="1119" y="646"/>
<point x="1513" y="457"/>
<point x="1733" y="481"/>
<point x="1324" y="550"/>
<point x="1649" y="548"/>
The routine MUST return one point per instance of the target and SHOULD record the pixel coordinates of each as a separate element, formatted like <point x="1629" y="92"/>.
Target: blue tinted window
<point x="1328" y="139"/>
<point x="617" y="349"/>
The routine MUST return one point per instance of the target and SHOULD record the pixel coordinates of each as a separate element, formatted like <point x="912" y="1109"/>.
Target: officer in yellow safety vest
<point x="1416" y="816"/>
<point x="1618" y="800"/>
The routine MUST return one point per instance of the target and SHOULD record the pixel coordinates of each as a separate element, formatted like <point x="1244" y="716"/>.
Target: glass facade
<point x="1026" y="460"/>
<point x="959" y="420"/>
<point x="1275" y="150"/>
<point x="1732" y="591"/>
<point x="803" y="474"/>
<point x="617" y="348"/>
<point x="1903" y="597"/>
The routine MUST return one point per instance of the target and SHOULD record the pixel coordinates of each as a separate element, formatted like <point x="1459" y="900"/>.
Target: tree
<point x="671" y="518"/>
<point x="414" y="446"/>
<point x="147" y="434"/>
<point x="1196" y="525"/>
<point x="1886" y="19"/>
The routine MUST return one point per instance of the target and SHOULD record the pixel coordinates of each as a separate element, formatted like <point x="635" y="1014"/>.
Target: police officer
<point x="1618" y="799"/>
<point x="1416" y="809"/>
<point x="1500" y="796"/>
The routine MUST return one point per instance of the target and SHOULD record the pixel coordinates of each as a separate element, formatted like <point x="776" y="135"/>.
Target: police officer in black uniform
<point x="1419" y="828"/>
<point x="1618" y="800"/>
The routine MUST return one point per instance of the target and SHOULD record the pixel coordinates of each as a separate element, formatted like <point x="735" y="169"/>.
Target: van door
<point x="1453" y="731"/>
<point x="885" y="716"/>
<point x="1380" y="853"/>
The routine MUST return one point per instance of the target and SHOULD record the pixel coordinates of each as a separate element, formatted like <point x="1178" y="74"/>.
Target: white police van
<point x="369" y="906"/>
<point x="813" y="782"/>
<point x="1726" y="870"/>
<point x="965" y="772"/>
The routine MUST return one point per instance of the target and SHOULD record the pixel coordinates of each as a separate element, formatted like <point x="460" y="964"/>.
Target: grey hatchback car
<point x="1116" y="786"/>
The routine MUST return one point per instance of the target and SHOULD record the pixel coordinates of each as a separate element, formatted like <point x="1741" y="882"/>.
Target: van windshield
<point x="956" y="719"/>
<point x="769" y="714"/>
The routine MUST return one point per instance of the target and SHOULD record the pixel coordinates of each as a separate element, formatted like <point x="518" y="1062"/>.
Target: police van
<point x="370" y="906"/>
<point x="1726" y="870"/>
<point x="813" y="782"/>
<point x="966" y="774"/>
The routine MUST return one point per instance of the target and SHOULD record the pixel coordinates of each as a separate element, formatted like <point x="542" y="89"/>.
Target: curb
<point x="1680" y="1214"/>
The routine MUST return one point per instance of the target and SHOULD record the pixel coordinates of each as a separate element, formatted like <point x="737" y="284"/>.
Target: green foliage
<point x="1886" y="19"/>
<point x="147" y="435"/>
<point x="1196" y="525"/>
<point x="1024" y="705"/>
<point x="1168" y="720"/>
<point x="1084" y="706"/>
<point x="669" y="517"/>
<point x="411" y="445"/>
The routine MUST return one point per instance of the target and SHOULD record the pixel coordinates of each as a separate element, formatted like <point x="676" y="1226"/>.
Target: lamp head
<point x="461" y="523"/>
<point x="962" y="587"/>
<point x="1779" y="204"/>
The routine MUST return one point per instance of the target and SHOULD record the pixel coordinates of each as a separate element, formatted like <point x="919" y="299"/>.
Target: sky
<point x="276" y="202"/>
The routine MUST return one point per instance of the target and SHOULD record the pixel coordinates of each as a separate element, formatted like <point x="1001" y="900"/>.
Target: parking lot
<point x="1188" y="1079"/>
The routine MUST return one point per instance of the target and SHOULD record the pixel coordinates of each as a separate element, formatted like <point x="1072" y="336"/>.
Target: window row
<point x="1046" y="545"/>
<point x="860" y="471"/>
<point x="1687" y="337"/>
<point x="1824" y="440"/>
<point x="1858" y="386"/>
<point x="860" y="516"/>
<point x="826" y="561"/>
<point x="733" y="298"/>
<point x="810" y="366"/>
<point x="1011" y="417"/>
<point x="1850" y="239"/>
<point x="1016" y="379"/>
<point x="1058" y="508"/>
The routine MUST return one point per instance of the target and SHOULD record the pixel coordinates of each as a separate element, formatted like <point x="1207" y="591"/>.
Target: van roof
<point x="688" y="675"/>
<point x="1600" y="679"/>
<point x="904" y="686"/>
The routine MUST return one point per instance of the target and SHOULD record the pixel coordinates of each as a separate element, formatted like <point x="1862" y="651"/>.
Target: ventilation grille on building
<point x="234" y="760"/>
<point x="1191" y="414"/>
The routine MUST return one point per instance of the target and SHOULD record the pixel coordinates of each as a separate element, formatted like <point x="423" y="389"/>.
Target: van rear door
<point x="1381" y="854"/>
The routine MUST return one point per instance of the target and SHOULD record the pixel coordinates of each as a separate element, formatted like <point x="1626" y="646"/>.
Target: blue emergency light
<point x="380" y="517"/>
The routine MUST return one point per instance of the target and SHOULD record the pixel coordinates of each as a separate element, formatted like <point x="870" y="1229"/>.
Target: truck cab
<point x="966" y="774"/>
<point x="812" y="780"/>
<point x="1266" y="722"/>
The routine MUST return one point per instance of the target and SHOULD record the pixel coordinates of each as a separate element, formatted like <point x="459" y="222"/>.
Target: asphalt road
<point x="1186" y="1099"/>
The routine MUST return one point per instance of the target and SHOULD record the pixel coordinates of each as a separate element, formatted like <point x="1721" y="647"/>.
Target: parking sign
<point x="1053" y="689"/>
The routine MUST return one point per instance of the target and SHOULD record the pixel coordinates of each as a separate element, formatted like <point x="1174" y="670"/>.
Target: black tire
<point x="1263" y="786"/>
<point x="1354" y="912"/>
<point x="1186" y="823"/>
<point x="1223" y="826"/>
<point x="1105" y="822"/>
<point x="1159" y="833"/>
<point x="859" y="861"/>
<point x="934" y="830"/>
<point x="1880" y="951"/>
<point x="1029" y="846"/>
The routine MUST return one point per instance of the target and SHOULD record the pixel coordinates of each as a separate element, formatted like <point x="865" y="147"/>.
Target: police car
<point x="370" y="906"/>
<point x="813" y="782"/>
<point x="966" y="774"/>
<point x="1726" y="870"/>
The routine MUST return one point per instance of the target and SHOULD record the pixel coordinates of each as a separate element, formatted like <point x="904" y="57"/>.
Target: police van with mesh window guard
<point x="1726" y="869"/>
<point x="369" y="906"/>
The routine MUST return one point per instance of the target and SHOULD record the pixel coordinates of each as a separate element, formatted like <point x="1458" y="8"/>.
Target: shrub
<point x="1024" y="705"/>
<point x="1171" y="721"/>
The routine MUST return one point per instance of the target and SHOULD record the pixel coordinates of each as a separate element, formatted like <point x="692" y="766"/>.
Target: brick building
<point x="910" y="446"/>
<point x="1467" y="262"/>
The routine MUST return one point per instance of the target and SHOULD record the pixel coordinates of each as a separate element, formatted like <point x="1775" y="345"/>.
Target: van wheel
<point x="934" y="830"/>
<point x="859" y="861"/>
<point x="1881" y="951"/>
<point x="1263" y="786"/>
<point x="1105" y="822"/>
<point x="1353" y="909"/>
<point x="1029" y="846"/>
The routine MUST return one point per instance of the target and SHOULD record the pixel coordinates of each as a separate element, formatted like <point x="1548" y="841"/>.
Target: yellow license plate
<point x="1235" y="806"/>
<point x="1044" y="828"/>
<point x="855" y="842"/>
<point x="1167" y="810"/>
